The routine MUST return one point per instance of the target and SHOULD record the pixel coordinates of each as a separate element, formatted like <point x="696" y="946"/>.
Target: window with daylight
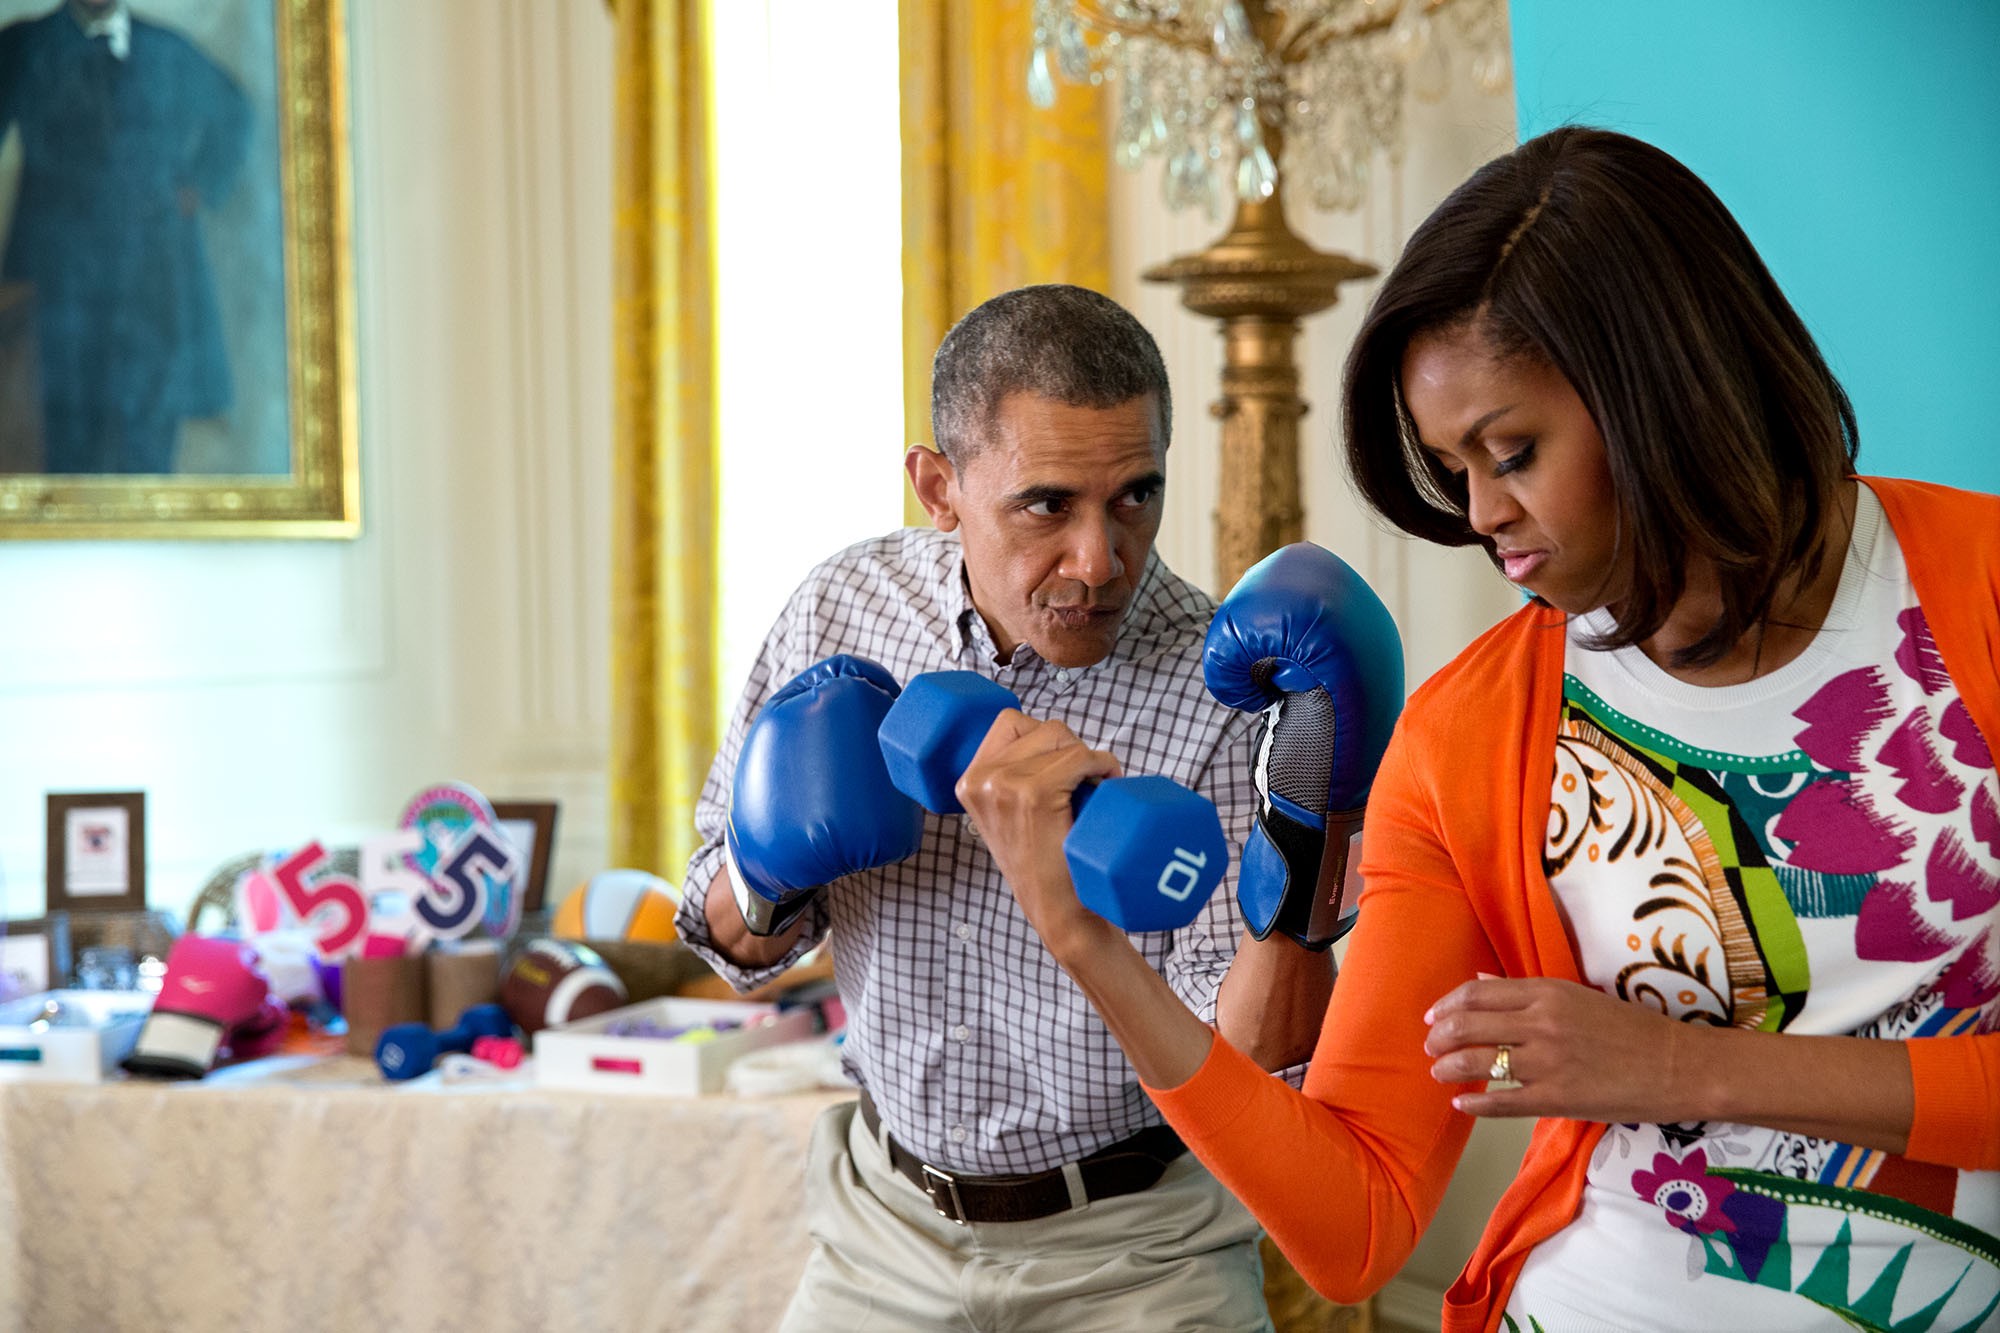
<point x="808" y="297"/>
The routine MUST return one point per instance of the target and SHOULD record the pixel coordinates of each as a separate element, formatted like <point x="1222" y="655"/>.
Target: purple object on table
<point x="329" y="981"/>
<point x="651" y="1028"/>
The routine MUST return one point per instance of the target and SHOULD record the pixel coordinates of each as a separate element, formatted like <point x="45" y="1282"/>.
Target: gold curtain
<point x="665" y="479"/>
<point x="997" y="192"/>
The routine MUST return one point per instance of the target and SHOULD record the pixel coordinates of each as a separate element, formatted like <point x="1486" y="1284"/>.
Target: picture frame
<point x="34" y="955"/>
<point x="532" y="826"/>
<point x="97" y="852"/>
<point x="258" y="416"/>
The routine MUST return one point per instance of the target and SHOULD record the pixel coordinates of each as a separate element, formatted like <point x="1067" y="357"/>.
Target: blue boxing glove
<point x="1304" y="640"/>
<point x="812" y="800"/>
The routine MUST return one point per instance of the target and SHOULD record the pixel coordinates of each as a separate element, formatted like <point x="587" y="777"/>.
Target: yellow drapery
<point x="665" y="480"/>
<point x="997" y="192"/>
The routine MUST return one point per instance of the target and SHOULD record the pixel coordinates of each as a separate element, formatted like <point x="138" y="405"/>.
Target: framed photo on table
<point x="34" y="955"/>
<point x="532" y="826"/>
<point x="97" y="851"/>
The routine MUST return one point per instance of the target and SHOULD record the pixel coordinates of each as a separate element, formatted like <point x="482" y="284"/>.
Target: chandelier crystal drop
<point x="1229" y="93"/>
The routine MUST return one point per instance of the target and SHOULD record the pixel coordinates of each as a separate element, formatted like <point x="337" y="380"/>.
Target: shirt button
<point x="964" y="932"/>
<point x="961" y="1032"/>
<point x="958" y="1134"/>
<point x="1062" y="674"/>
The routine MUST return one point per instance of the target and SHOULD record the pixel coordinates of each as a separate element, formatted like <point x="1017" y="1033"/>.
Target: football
<point x="553" y="981"/>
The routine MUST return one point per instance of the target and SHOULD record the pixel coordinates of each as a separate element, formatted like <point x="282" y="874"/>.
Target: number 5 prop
<point x="332" y="908"/>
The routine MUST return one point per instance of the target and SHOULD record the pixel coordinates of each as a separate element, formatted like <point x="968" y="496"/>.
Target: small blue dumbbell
<point x="407" y="1050"/>
<point x="1144" y="854"/>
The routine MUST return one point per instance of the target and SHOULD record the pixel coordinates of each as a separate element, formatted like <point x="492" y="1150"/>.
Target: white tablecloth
<point x="322" y="1199"/>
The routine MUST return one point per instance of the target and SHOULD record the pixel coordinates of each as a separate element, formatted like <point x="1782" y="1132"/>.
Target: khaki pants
<point x="1179" y="1256"/>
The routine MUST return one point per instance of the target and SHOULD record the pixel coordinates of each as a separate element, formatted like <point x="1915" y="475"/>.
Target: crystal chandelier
<point x="1231" y="93"/>
<point x="1244" y="98"/>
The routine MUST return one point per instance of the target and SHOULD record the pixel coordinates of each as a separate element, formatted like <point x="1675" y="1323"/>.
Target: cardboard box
<point x="61" y="1054"/>
<point x="583" y="1055"/>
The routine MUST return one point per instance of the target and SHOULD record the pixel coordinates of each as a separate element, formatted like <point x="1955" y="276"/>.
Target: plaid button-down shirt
<point x="980" y="1053"/>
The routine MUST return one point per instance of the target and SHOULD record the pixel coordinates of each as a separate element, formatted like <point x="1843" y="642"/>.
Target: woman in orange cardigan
<point x="1696" y="857"/>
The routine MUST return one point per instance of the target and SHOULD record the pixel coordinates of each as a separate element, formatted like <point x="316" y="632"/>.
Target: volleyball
<point x="619" y="905"/>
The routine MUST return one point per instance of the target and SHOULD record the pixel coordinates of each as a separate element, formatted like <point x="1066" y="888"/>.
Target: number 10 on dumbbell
<point x="1145" y="852"/>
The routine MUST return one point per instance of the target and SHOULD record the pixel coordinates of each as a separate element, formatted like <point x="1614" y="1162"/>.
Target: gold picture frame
<point x="304" y="105"/>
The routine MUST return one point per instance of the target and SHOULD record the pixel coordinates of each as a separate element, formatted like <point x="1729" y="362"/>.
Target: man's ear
<point x="935" y="481"/>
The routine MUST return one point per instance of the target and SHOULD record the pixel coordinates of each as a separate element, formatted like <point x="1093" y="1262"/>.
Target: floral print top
<point x="1817" y="851"/>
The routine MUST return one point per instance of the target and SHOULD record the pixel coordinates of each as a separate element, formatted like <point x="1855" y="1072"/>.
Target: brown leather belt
<point x="1126" y="1167"/>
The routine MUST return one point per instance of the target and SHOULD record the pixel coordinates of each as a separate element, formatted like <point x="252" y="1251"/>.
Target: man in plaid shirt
<point x="1003" y="1167"/>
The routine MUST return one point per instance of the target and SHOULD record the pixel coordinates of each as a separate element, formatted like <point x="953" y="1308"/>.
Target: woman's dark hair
<point x="1727" y="436"/>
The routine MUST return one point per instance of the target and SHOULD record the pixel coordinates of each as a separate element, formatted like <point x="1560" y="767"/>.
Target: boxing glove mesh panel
<point x="1301" y="752"/>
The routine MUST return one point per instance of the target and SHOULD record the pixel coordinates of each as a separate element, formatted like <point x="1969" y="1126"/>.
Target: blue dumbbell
<point x="408" y="1049"/>
<point x="1145" y="853"/>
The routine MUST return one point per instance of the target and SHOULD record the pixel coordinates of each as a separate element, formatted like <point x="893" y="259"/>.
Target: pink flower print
<point x="1918" y="654"/>
<point x="1986" y="819"/>
<point x="1891" y="929"/>
<point x="1973" y="981"/>
<point x="1684" y="1191"/>
<point x="1834" y="827"/>
<point x="1840" y="717"/>
<point x="1910" y="754"/>
<point x="1954" y="876"/>
<point x="1968" y="746"/>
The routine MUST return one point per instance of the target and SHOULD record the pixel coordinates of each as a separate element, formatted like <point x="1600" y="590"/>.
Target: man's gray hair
<point x="1063" y="343"/>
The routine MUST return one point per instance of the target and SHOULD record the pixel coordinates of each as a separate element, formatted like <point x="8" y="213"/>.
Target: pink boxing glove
<point x="211" y="987"/>
<point x="262" y="1033"/>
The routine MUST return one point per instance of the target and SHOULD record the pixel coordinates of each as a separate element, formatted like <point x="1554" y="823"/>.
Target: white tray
<point x="70" y="1054"/>
<point x="582" y="1055"/>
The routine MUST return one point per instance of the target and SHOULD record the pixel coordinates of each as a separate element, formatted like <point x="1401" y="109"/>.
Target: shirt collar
<point x="115" y="26"/>
<point x="968" y="628"/>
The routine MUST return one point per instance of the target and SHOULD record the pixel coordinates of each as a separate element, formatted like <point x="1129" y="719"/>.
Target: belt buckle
<point x="933" y="1179"/>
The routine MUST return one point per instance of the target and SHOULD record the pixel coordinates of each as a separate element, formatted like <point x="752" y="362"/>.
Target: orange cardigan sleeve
<point x="1346" y="1174"/>
<point x="1957" y="1081"/>
<point x="1951" y="543"/>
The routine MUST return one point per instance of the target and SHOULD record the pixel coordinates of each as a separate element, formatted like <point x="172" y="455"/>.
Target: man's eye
<point x="1139" y="497"/>
<point x="1044" y="508"/>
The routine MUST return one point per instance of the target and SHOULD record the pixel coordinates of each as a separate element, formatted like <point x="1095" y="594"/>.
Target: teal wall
<point x="1858" y="142"/>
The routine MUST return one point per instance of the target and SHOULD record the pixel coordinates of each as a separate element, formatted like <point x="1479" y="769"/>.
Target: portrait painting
<point x="175" y="315"/>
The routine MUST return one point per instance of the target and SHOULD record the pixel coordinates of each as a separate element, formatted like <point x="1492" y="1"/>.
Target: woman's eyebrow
<point x="1472" y="431"/>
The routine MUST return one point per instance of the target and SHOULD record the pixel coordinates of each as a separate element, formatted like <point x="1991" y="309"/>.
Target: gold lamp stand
<point x="1260" y="279"/>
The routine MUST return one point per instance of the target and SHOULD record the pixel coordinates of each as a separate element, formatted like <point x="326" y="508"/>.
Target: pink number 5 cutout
<point x="333" y="908"/>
